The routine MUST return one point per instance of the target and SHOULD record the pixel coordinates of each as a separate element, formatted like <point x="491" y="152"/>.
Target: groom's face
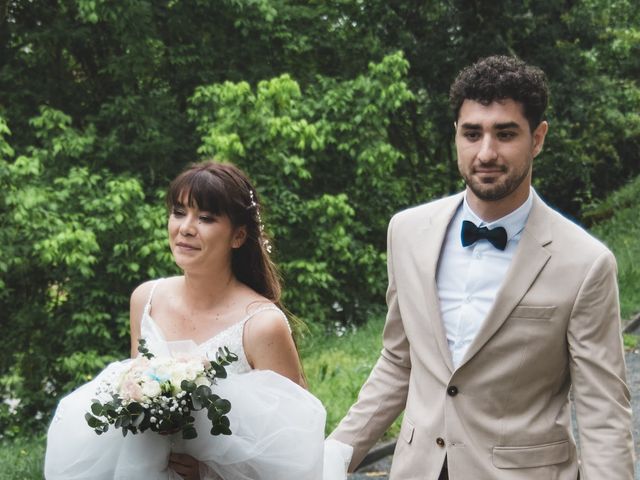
<point x="496" y="149"/>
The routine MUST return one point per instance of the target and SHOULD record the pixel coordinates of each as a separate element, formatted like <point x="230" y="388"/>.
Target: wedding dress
<point x="277" y="426"/>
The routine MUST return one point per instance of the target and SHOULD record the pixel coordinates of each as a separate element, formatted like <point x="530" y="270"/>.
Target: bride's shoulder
<point x="269" y="345"/>
<point x="142" y="293"/>
<point x="266" y="324"/>
<point x="142" y="289"/>
<point x="266" y="314"/>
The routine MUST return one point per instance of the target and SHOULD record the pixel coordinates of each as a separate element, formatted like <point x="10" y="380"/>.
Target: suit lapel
<point x="426" y="251"/>
<point x="528" y="261"/>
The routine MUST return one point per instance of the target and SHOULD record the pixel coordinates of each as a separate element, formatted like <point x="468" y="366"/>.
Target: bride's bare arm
<point x="269" y="345"/>
<point x="138" y="300"/>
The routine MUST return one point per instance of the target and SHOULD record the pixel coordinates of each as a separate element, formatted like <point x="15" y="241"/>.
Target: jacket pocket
<point x="533" y="313"/>
<point x="531" y="456"/>
<point x="407" y="429"/>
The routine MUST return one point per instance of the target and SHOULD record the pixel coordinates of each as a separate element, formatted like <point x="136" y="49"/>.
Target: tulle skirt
<point x="278" y="434"/>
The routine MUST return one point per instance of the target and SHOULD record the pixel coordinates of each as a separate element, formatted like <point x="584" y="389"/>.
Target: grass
<point x="22" y="458"/>
<point x="620" y="231"/>
<point x="630" y="341"/>
<point x="336" y="367"/>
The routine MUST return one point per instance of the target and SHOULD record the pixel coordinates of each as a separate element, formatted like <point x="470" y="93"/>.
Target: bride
<point x="228" y="295"/>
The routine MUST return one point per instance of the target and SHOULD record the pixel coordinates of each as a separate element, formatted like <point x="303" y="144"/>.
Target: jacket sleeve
<point x="384" y="394"/>
<point x="597" y="367"/>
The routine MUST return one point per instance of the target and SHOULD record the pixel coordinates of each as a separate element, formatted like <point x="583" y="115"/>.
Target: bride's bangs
<point x="202" y="190"/>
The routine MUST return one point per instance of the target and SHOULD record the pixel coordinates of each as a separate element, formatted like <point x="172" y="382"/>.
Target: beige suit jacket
<point x="504" y="413"/>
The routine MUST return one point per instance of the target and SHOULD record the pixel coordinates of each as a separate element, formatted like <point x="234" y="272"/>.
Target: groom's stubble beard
<point x="500" y="188"/>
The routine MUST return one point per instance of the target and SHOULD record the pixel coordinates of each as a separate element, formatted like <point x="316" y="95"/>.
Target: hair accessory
<point x="265" y="243"/>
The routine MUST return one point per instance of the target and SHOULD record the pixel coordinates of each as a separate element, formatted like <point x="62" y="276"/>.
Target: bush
<point x="75" y="243"/>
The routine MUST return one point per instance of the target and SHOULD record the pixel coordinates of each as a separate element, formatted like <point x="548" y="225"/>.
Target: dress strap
<point x="264" y="309"/>
<point x="147" y="307"/>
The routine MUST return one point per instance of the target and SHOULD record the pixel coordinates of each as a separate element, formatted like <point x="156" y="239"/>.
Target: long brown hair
<point x="222" y="188"/>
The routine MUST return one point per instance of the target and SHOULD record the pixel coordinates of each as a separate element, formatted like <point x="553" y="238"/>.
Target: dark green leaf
<point x="96" y="408"/>
<point x="222" y="405"/>
<point x="189" y="433"/>
<point x="188" y="386"/>
<point x="135" y="408"/>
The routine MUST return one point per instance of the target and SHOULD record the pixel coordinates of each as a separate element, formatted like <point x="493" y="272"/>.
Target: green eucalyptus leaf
<point x="96" y="408"/>
<point x="203" y="391"/>
<point x="92" y="421"/>
<point x="189" y="432"/>
<point x="222" y="405"/>
<point x="220" y="430"/>
<point x="188" y="386"/>
<point x="138" y="419"/>
<point x="220" y="371"/>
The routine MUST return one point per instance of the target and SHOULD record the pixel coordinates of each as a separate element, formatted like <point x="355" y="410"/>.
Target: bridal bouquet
<point x="159" y="394"/>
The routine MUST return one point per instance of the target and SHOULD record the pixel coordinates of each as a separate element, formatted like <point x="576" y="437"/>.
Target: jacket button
<point x="440" y="441"/>
<point x="452" y="391"/>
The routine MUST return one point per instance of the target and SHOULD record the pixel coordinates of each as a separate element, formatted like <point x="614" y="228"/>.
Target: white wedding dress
<point x="277" y="427"/>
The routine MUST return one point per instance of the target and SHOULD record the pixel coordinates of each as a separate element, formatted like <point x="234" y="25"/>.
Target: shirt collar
<point x="513" y="223"/>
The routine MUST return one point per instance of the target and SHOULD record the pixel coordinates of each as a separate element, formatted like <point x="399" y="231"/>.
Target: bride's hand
<point x="185" y="465"/>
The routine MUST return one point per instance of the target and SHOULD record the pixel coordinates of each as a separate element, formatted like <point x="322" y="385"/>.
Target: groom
<point x="497" y="307"/>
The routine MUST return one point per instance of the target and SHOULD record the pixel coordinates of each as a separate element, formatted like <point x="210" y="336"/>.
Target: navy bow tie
<point x="471" y="234"/>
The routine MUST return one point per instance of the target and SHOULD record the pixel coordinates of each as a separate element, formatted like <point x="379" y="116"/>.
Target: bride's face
<point x="200" y="239"/>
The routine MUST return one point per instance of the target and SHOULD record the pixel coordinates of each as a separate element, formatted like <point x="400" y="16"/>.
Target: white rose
<point x="151" y="389"/>
<point x="202" y="381"/>
<point x="193" y="369"/>
<point x="163" y="369"/>
<point x="178" y="374"/>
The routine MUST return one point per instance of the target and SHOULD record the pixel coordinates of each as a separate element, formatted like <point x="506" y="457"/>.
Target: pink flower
<point x="130" y="391"/>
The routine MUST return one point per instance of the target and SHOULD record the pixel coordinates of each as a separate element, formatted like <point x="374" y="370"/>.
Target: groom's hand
<point x="185" y="465"/>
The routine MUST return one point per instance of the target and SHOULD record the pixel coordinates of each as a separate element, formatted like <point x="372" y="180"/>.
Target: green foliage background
<point x="336" y="109"/>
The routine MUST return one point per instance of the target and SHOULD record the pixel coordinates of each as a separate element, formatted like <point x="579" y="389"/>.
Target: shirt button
<point x="452" y="391"/>
<point x="440" y="441"/>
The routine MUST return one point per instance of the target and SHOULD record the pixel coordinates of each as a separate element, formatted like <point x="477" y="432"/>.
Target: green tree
<point x="329" y="174"/>
<point x="101" y="102"/>
<point x="74" y="244"/>
<point x="129" y="68"/>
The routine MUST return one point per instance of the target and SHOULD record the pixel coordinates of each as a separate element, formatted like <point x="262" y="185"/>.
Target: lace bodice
<point x="230" y="337"/>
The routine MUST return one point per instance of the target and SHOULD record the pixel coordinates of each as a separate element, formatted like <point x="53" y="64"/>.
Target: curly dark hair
<point x="501" y="77"/>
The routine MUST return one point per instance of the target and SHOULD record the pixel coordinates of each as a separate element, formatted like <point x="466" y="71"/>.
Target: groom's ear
<point x="539" y="135"/>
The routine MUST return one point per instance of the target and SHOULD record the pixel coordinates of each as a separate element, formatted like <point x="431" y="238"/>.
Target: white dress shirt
<point x="469" y="277"/>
